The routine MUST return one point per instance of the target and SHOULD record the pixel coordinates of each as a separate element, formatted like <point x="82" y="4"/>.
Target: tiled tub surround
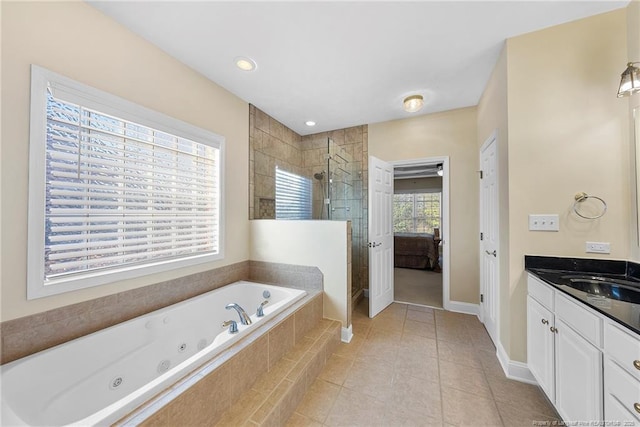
<point x="292" y="276"/>
<point x="101" y="377"/>
<point x="250" y="379"/>
<point x="30" y="334"/>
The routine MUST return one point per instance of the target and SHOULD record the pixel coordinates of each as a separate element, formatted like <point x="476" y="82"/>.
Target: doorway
<point x="420" y="227"/>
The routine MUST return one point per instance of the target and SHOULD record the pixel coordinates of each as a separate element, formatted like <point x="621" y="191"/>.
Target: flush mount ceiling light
<point x="413" y="103"/>
<point x="629" y="80"/>
<point x="310" y="123"/>
<point x="440" y="171"/>
<point x="245" y="64"/>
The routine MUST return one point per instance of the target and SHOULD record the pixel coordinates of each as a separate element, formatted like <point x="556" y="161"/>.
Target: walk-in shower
<point x="333" y="191"/>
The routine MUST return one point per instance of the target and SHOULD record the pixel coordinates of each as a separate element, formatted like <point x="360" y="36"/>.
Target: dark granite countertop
<point x="618" y="301"/>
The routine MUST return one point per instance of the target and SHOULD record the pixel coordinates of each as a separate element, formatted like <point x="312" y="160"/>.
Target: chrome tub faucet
<point x="244" y="318"/>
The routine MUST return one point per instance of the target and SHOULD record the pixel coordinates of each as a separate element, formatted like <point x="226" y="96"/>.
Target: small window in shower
<point x="293" y="195"/>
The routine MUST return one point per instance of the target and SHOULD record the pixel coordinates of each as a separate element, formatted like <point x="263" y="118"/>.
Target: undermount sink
<point x="618" y="289"/>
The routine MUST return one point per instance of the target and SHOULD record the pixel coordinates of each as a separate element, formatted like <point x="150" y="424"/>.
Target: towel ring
<point x="581" y="197"/>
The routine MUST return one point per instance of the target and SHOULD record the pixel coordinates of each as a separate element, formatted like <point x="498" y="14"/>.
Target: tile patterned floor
<point x="416" y="366"/>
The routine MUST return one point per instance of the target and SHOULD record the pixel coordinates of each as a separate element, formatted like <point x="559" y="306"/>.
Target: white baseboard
<point x="463" y="307"/>
<point x="346" y="334"/>
<point x="514" y="370"/>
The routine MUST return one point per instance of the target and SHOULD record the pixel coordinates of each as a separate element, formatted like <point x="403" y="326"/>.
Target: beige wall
<point x="567" y="132"/>
<point x="322" y="244"/>
<point x="74" y="39"/>
<point x="492" y="120"/>
<point x="453" y="134"/>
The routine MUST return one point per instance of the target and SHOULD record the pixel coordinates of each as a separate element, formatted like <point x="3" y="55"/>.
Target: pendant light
<point x="629" y="80"/>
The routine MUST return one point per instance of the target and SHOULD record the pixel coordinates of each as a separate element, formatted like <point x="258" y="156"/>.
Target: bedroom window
<point x="116" y="190"/>
<point x="416" y="212"/>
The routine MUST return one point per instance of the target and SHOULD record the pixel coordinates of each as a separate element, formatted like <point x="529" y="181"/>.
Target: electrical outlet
<point x="544" y="222"/>
<point x="598" y="247"/>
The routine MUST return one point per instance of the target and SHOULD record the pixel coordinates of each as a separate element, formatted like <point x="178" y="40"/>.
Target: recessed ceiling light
<point x="413" y="103"/>
<point x="310" y="123"/>
<point x="245" y="64"/>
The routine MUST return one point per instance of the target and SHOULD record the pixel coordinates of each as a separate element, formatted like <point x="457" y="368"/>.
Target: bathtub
<point x="99" y="378"/>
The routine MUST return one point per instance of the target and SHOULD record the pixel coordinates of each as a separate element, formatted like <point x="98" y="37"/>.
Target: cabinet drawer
<point x="615" y="412"/>
<point x="623" y="387"/>
<point x="542" y="292"/>
<point x="623" y="347"/>
<point x="580" y="319"/>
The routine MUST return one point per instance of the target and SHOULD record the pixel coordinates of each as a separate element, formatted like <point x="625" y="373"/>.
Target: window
<point x="116" y="191"/>
<point x="293" y="195"/>
<point x="416" y="212"/>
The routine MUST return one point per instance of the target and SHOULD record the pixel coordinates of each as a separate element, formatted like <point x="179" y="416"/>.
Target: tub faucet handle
<point x="260" y="311"/>
<point x="233" y="326"/>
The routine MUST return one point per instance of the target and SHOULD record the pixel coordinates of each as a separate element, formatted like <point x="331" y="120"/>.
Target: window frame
<point x="87" y="96"/>
<point x="413" y="208"/>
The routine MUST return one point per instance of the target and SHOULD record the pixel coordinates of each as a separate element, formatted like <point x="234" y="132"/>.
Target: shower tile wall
<point x="271" y="143"/>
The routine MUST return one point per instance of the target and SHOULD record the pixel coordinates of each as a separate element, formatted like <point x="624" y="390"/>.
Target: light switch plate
<point x="549" y="222"/>
<point x="598" y="247"/>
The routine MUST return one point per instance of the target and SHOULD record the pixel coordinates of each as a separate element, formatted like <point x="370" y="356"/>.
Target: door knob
<point x="545" y="322"/>
<point x="494" y="253"/>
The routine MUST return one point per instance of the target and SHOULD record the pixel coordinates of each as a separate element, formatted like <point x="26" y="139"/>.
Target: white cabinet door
<point x="540" y="346"/>
<point x="578" y="376"/>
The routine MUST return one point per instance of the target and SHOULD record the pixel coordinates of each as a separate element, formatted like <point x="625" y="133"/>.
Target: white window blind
<point x="119" y="196"/>
<point x="293" y="196"/>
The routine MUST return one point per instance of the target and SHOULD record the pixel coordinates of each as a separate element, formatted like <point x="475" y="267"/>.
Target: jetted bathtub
<point x="99" y="378"/>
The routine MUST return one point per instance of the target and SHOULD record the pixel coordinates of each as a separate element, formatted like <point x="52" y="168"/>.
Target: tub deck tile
<point x="292" y="379"/>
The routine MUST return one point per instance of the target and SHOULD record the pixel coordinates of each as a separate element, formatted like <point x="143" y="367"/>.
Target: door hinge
<point x="481" y="174"/>
<point x="481" y="236"/>
<point x="481" y="297"/>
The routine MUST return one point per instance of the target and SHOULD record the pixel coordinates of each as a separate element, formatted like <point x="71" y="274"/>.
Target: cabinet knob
<point x="554" y="330"/>
<point x="545" y="322"/>
<point x="636" y="363"/>
<point x="636" y="406"/>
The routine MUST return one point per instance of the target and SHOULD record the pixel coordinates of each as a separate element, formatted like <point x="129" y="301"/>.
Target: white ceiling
<point x="343" y="63"/>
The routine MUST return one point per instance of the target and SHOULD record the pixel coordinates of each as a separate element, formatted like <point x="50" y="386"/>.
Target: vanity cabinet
<point x="540" y="353"/>
<point x="564" y="352"/>
<point x="621" y="375"/>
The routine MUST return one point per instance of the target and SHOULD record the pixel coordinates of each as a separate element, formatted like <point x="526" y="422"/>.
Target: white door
<point x="380" y="235"/>
<point x="540" y="350"/>
<point x="489" y="238"/>
<point x="578" y="376"/>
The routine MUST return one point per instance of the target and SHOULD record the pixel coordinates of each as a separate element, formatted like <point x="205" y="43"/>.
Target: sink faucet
<point x="244" y="318"/>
